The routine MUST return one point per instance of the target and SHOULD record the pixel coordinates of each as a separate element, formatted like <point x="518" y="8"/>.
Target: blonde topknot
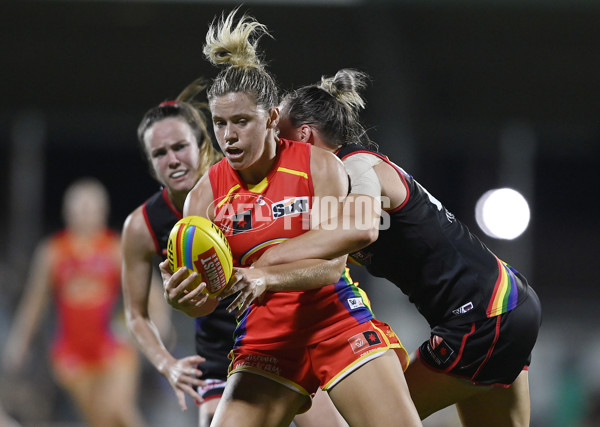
<point x="332" y="106"/>
<point x="345" y="86"/>
<point x="234" y="44"/>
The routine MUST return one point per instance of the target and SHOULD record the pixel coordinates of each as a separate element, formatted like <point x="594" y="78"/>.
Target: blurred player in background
<point x="78" y="269"/>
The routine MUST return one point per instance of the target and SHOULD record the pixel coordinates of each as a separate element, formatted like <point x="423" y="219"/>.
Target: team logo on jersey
<point x="463" y="308"/>
<point x="364" y="340"/>
<point x="242" y="222"/>
<point x="236" y="213"/>
<point x="355" y="303"/>
<point x="291" y="206"/>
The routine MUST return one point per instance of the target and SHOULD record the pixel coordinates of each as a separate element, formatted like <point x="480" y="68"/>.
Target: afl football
<point x="199" y="245"/>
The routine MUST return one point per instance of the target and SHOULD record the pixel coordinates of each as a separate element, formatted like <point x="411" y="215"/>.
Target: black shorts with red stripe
<point x="491" y="351"/>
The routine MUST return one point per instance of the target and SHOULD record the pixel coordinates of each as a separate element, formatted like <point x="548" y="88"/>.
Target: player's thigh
<point x="498" y="406"/>
<point x="78" y="381"/>
<point x="322" y="413"/>
<point x="121" y="378"/>
<point x="83" y="389"/>
<point x="432" y="390"/>
<point x="206" y="412"/>
<point x="376" y="394"/>
<point x="254" y="400"/>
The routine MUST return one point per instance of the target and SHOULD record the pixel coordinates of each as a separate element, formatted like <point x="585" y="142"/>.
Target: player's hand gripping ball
<point x="198" y="244"/>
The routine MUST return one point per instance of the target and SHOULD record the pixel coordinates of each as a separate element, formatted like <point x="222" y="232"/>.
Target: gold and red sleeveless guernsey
<point x="254" y="218"/>
<point x="86" y="287"/>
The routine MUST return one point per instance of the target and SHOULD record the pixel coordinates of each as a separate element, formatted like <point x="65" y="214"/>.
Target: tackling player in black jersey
<point x="484" y="317"/>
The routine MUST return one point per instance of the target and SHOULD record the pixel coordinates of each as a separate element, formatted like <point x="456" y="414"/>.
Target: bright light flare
<point x="502" y="213"/>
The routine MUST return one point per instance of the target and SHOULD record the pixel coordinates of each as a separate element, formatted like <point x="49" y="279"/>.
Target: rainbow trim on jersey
<point x="250" y="253"/>
<point x="347" y="289"/>
<point x="505" y="294"/>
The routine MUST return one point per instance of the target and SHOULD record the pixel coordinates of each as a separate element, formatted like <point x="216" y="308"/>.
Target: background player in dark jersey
<point x="174" y="139"/>
<point x="483" y="314"/>
<point x="292" y="343"/>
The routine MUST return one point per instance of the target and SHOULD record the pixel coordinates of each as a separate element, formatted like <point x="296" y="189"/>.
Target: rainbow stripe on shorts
<point x="505" y="295"/>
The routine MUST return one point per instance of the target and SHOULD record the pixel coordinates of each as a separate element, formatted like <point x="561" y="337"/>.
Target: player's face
<point x="85" y="209"/>
<point x="174" y="154"/>
<point x="245" y="132"/>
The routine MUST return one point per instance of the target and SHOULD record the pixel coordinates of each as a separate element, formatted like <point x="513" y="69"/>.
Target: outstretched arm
<point x="138" y="250"/>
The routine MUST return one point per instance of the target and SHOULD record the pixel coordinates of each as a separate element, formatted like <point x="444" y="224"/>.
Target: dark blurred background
<point x="465" y="95"/>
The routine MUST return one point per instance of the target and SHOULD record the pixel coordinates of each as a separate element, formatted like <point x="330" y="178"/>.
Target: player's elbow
<point x="363" y="237"/>
<point x="133" y="318"/>
<point x="336" y="268"/>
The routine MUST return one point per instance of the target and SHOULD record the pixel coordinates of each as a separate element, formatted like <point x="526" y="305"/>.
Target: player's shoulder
<point x="323" y="160"/>
<point x="134" y="219"/>
<point x="51" y="242"/>
<point x="135" y="228"/>
<point x="204" y="185"/>
<point x="357" y="149"/>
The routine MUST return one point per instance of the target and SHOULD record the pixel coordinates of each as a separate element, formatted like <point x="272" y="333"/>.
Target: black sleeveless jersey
<point x="214" y="333"/>
<point x="445" y="270"/>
